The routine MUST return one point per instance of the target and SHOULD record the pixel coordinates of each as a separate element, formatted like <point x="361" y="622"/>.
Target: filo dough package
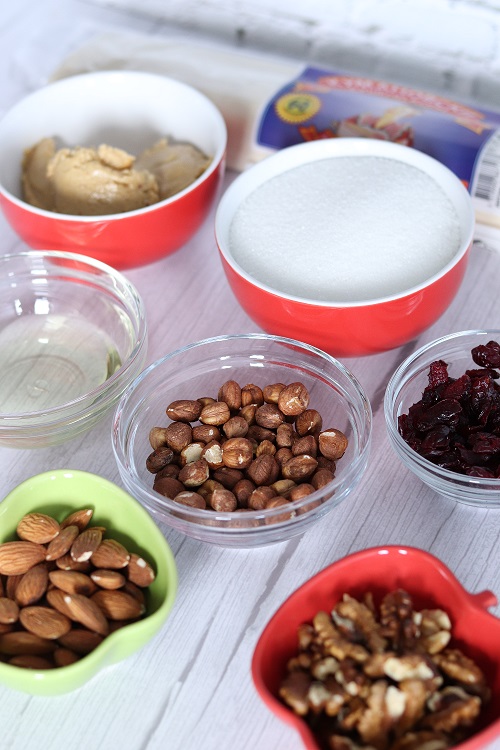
<point x="270" y="103"/>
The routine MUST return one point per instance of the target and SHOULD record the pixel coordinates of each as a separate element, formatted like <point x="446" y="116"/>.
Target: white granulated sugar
<point x="345" y="229"/>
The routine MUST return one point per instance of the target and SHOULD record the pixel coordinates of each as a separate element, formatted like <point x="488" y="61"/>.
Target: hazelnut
<point x="157" y="437"/>
<point x="230" y="393"/>
<point x="178" y="435"/>
<point x="321" y="478"/>
<point x="205" y="433"/>
<point x="300" y="491"/>
<point x="308" y="422"/>
<point x="235" y="427"/>
<point x="283" y="486"/>
<point x="184" y="410"/>
<point x="269" y="416"/>
<point x="227" y="476"/>
<point x="168" y="486"/>
<point x="251" y="394"/>
<point x="206" y="489"/>
<point x="191" y="452"/>
<point x="299" y="468"/>
<point x="242" y="490"/>
<point x="294" y="399"/>
<point x="265" y="447"/>
<point x="170" y="470"/>
<point x="263" y="470"/>
<point x="194" y="474"/>
<point x="332" y="444"/>
<point x="248" y="413"/>
<point x="283" y="455"/>
<point x="306" y="444"/>
<point x="271" y="392"/>
<point x="223" y="500"/>
<point x="285" y="435"/>
<point x="212" y="453"/>
<point x="237" y="453"/>
<point x="258" y="433"/>
<point x="260" y="497"/>
<point x="215" y="414"/>
<point x="159" y="458"/>
<point x="191" y="499"/>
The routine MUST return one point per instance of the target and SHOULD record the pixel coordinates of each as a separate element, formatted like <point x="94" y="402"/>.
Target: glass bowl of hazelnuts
<point x="242" y="440"/>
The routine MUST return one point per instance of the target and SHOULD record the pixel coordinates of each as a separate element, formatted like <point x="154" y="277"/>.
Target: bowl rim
<point x="311" y="151"/>
<point x="216" y="159"/>
<point x="193" y="516"/>
<point x="394" y="386"/>
<point x="108" y="387"/>
<point x="91" y="664"/>
<point x="481" y="600"/>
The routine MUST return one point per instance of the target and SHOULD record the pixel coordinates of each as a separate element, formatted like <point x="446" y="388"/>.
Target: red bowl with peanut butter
<point x="445" y="632"/>
<point x="123" y="166"/>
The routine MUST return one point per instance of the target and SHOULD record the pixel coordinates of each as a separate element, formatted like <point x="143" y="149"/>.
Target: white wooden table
<point x="191" y="687"/>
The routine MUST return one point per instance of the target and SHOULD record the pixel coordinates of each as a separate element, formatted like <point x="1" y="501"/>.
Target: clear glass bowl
<point x="73" y="335"/>
<point x="406" y="387"/>
<point x="198" y="370"/>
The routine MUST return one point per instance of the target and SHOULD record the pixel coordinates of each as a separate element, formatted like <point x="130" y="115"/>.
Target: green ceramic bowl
<point x="58" y="493"/>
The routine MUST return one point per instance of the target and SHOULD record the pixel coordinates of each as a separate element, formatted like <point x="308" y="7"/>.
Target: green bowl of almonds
<point x="86" y="579"/>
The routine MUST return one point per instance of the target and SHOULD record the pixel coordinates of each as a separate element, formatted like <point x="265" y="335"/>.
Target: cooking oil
<point x="49" y="360"/>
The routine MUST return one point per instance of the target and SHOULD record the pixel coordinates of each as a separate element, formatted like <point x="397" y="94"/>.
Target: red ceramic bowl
<point x="129" y="110"/>
<point x="343" y="327"/>
<point x="380" y="570"/>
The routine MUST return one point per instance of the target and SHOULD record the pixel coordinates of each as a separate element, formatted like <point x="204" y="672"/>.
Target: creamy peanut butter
<point x="88" y="181"/>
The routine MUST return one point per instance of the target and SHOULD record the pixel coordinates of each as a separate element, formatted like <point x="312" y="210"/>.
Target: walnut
<point x="459" y="667"/>
<point x="396" y="618"/>
<point x="356" y="619"/>
<point x="294" y="690"/>
<point x="454" y="709"/>
<point x="334" y="643"/>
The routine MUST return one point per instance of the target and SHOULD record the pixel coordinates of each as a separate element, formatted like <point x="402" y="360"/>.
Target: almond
<point x="86" y="544"/>
<point x="44" y="622"/>
<point x="87" y="613"/>
<point x="23" y="642"/>
<point x="9" y="611"/>
<point x="37" y="527"/>
<point x="108" y="579"/>
<point x="30" y="661"/>
<point x="56" y="598"/>
<point x="135" y="591"/>
<point x="81" y="641"/>
<point x="80" y="518"/>
<point x="62" y="543"/>
<point x="17" y="558"/>
<point x="32" y="585"/>
<point x="139" y="571"/>
<point x="110" y="554"/>
<point x="63" y="657"/>
<point x="11" y="584"/>
<point x="118" y="605"/>
<point x="66" y="562"/>
<point x="72" y="582"/>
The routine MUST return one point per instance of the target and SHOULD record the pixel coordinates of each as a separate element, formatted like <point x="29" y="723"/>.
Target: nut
<point x="178" y="435"/>
<point x="223" y="501"/>
<point x="272" y="392"/>
<point x="308" y="422"/>
<point x="194" y="474"/>
<point x="215" y="414"/>
<point x="37" y="527"/>
<point x="269" y="416"/>
<point x="332" y="444"/>
<point x="184" y="410"/>
<point x="251" y="394"/>
<point x="263" y="470"/>
<point x="230" y="393"/>
<point x="299" y="468"/>
<point x="17" y="558"/>
<point x="235" y="427"/>
<point x="294" y="399"/>
<point x="237" y="453"/>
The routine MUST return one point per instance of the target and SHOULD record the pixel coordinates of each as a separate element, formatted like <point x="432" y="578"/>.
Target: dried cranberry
<point x="487" y="355"/>
<point x="456" y="424"/>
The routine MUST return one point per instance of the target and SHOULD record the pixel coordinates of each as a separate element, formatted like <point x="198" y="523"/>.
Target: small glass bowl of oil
<point x="73" y="335"/>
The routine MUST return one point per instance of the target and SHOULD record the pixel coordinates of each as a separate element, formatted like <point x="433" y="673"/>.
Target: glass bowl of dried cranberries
<point x="442" y="410"/>
<point x="242" y="440"/>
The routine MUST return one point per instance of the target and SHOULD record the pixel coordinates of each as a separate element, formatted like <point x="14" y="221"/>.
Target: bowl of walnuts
<point x="242" y="440"/>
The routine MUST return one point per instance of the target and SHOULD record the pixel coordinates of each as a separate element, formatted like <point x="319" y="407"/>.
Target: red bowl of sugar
<point x="352" y="245"/>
